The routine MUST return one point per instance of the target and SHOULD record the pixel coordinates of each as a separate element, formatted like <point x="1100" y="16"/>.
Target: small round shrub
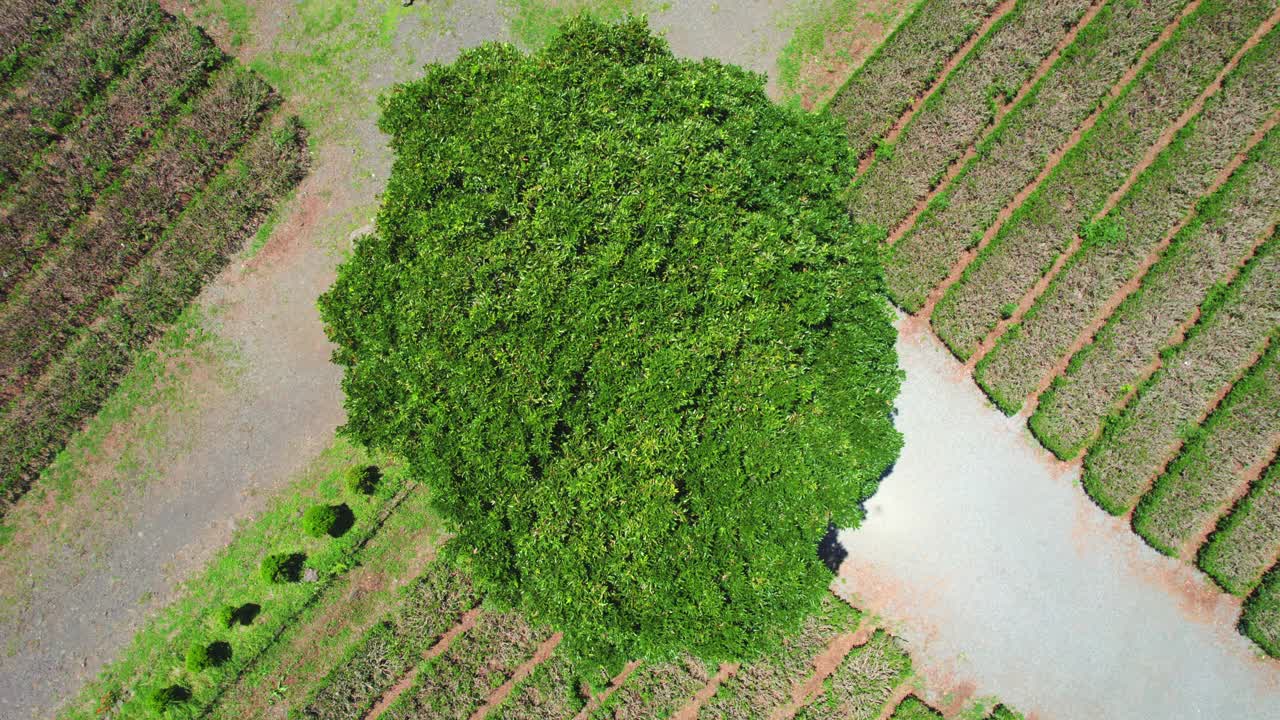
<point x="282" y="567"/>
<point x="320" y="520"/>
<point x="202" y="656"/>
<point x="164" y="699"/>
<point x="363" y="479"/>
<point x="226" y="617"/>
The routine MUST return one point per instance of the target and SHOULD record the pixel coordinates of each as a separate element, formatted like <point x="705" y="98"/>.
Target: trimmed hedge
<point x="616" y="316"/>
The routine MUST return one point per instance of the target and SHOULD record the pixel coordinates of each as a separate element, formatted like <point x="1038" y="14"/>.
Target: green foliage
<point x="279" y="568"/>
<point x="1260" y="620"/>
<point x="202" y="656"/>
<point x="226" y="617"/>
<point x="162" y="700"/>
<point x="1008" y="309"/>
<point x="319" y="520"/>
<point x="363" y="479"/>
<point x="616" y="315"/>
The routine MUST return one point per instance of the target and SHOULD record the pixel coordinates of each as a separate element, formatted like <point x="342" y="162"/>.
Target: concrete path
<point x="987" y="557"/>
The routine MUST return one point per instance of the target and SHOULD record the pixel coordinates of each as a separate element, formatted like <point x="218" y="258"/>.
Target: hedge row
<point x="64" y="295"/>
<point x="193" y="249"/>
<point x="155" y="659"/>
<point x="1240" y="434"/>
<point x="455" y="684"/>
<point x="69" y="73"/>
<point x="1235" y="327"/>
<point x="1079" y="187"/>
<point x="1247" y="541"/>
<point x="904" y="66"/>
<point x="64" y="182"/>
<point x="1114" y="248"/>
<point x="763" y="685"/>
<point x="1012" y="156"/>
<point x="1224" y="231"/>
<point x="862" y="685"/>
<point x="1261" y="617"/>
<point x="961" y="110"/>
<point x="433" y="604"/>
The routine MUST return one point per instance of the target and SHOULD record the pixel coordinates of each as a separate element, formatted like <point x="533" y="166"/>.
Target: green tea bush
<point x="162" y="700"/>
<point x="226" y="617"/>
<point x="202" y="656"/>
<point x="282" y="567"/>
<point x="614" y="313"/>
<point x="318" y="520"/>
<point x="363" y="479"/>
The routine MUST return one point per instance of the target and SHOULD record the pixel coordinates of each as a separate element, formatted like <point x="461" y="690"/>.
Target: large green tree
<point x="614" y="313"/>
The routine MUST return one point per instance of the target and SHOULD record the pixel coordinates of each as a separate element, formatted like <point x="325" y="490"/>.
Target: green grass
<point x="532" y="23"/>
<point x="154" y="659"/>
<point x="236" y="15"/>
<point x="812" y="21"/>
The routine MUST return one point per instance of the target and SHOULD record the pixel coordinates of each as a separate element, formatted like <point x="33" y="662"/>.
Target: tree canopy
<point x="616" y="316"/>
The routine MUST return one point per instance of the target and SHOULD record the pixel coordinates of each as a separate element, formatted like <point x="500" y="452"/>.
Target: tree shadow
<point x="219" y="652"/>
<point x="344" y="519"/>
<point x="246" y="613"/>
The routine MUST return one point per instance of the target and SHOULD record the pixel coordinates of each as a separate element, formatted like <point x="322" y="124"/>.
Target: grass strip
<point x="763" y="685"/>
<point x="1080" y="186"/>
<point x="913" y="708"/>
<point x="38" y="322"/>
<point x="1114" y="247"/>
<point x="68" y="74"/>
<point x="63" y="184"/>
<point x="154" y="659"/>
<point x="864" y="682"/>
<point x="302" y="660"/>
<point x="34" y="427"/>
<point x="1260" y="620"/>
<point x="1241" y="434"/>
<point x="967" y="103"/>
<point x="1226" y="228"/>
<point x="1247" y="541"/>
<point x="433" y="604"/>
<point x="553" y="691"/>
<point x="904" y="66"/>
<point x="1012" y="156"/>
<point x="1235" y="326"/>
<point x="455" y="684"/>
<point x="26" y="27"/>
<point x="655" y="690"/>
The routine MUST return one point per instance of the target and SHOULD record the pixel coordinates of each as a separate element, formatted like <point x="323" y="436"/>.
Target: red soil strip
<point x="1114" y="199"/>
<point x="826" y="663"/>
<point x="498" y="696"/>
<point x="468" y="621"/>
<point x="614" y="684"/>
<point x="1087" y="335"/>
<point x="958" y="164"/>
<point x="708" y="691"/>
<point x="900" y="693"/>
<point x="952" y="63"/>
<point x="1248" y="477"/>
<point x="1116" y="90"/>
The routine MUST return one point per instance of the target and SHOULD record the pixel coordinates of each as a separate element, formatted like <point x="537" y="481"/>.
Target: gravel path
<point x="986" y="556"/>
